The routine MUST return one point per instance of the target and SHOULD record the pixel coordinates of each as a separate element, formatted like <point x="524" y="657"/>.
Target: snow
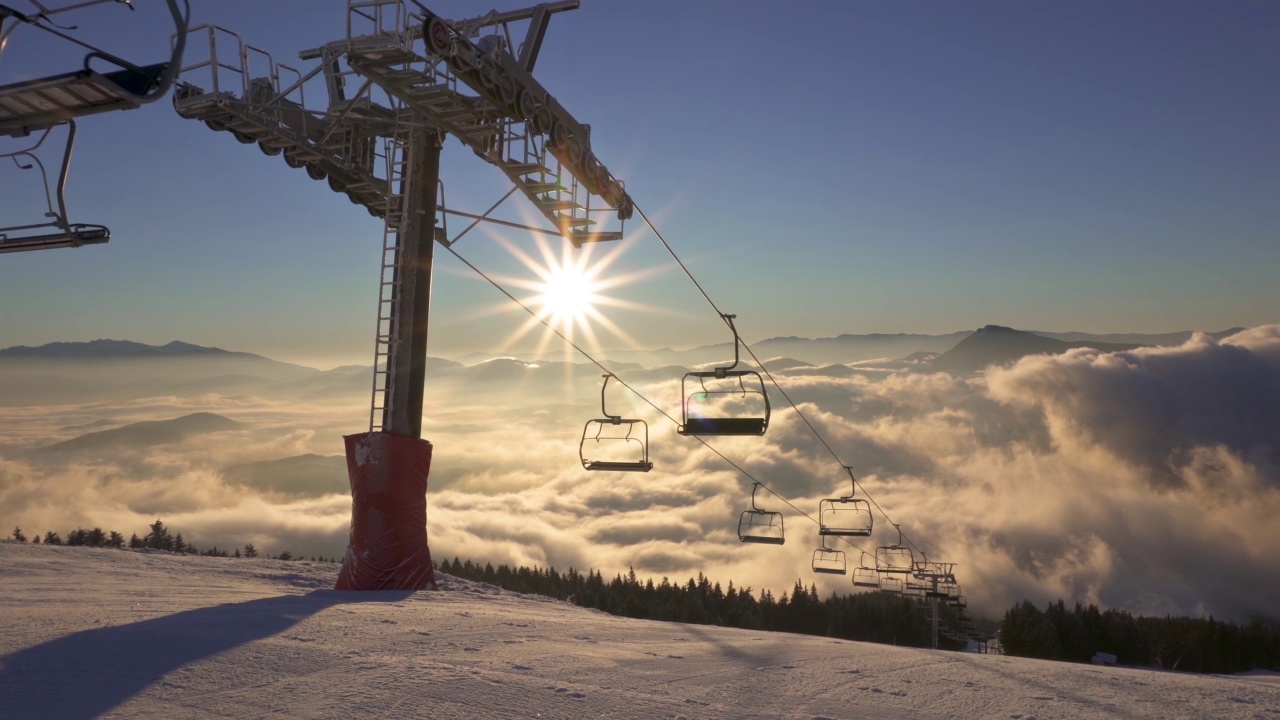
<point x="125" y="634"/>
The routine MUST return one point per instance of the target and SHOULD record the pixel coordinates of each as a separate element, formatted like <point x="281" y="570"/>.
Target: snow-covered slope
<point x="124" y="634"/>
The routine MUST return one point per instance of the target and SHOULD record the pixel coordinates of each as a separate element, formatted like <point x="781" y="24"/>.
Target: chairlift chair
<point x="828" y="560"/>
<point x="916" y="587"/>
<point x="845" y="516"/>
<point x="58" y="231"/>
<point x="637" y="441"/>
<point x="703" y="415"/>
<point x="891" y="583"/>
<point x="895" y="559"/>
<point x="760" y="526"/>
<point x="41" y="103"/>
<point x="936" y="591"/>
<point x="865" y="575"/>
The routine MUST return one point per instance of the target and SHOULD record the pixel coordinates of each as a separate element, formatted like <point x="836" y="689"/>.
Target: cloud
<point x="1144" y="479"/>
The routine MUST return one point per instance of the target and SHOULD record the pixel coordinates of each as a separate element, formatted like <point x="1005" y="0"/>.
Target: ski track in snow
<point x="88" y="633"/>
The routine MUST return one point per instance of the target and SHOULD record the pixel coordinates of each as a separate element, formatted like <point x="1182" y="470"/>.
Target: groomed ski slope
<point x="125" y="634"/>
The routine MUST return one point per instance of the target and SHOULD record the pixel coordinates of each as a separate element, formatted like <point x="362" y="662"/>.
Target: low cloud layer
<point x="1146" y="479"/>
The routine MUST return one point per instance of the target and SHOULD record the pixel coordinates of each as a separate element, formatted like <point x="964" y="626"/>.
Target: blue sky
<point x="823" y="168"/>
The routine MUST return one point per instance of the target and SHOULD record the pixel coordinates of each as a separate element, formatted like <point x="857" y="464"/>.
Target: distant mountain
<point x="302" y="475"/>
<point x="998" y="345"/>
<point x="779" y="364"/>
<point x="146" y="434"/>
<point x="114" y="370"/>
<point x="89" y="425"/>
<point x="116" y="349"/>
<point x="814" y="351"/>
<point x="1162" y="339"/>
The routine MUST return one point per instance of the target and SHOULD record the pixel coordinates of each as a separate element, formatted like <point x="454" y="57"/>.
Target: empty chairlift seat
<point x="57" y="231"/>
<point x="891" y="583"/>
<point x="44" y="102"/>
<point x="893" y="559"/>
<point x="865" y="574"/>
<point x="724" y="401"/>
<point x="845" y="516"/>
<point x="614" y="443"/>
<point x="722" y="408"/>
<point x="829" y="561"/>
<point x="760" y="526"/>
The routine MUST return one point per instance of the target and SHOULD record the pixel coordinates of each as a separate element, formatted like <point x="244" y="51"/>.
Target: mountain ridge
<point x="999" y="345"/>
<point x="843" y="348"/>
<point x="145" y="434"/>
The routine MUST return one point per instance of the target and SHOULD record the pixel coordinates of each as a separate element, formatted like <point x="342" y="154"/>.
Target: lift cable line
<point x="738" y="339"/>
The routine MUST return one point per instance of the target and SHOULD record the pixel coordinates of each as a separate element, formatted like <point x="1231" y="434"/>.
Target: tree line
<point x="872" y="617"/>
<point x="159" y="538"/>
<point x="1201" y="645"/>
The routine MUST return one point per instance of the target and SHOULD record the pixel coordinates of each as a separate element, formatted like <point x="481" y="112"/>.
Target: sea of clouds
<point x="1147" y="479"/>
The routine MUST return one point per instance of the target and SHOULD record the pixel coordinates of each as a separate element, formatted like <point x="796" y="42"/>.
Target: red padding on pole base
<point x="388" y="546"/>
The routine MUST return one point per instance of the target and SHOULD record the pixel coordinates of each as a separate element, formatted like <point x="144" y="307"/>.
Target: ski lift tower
<point x="418" y="78"/>
<point x="938" y="576"/>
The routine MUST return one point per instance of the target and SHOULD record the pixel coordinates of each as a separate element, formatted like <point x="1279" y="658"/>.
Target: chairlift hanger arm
<point x="180" y="23"/>
<point x="616" y="419"/>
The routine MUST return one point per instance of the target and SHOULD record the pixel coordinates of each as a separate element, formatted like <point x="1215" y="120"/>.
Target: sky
<point x="216" y="637"/>
<point x="822" y="168"/>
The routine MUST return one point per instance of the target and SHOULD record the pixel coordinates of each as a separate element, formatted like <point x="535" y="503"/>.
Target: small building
<point x="1101" y="658"/>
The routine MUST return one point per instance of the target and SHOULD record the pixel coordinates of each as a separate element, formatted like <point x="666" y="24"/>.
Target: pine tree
<point x="17" y="535"/>
<point x="159" y="537"/>
<point x="250" y="551"/>
<point x="52" y="538"/>
<point x="115" y="540"/>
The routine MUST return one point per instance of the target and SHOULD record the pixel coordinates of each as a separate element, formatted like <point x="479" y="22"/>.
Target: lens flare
<point x="569" y="289"/>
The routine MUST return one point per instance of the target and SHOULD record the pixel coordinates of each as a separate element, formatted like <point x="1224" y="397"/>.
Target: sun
<point x="569" y="290"/>
<point x="567" y="296"/>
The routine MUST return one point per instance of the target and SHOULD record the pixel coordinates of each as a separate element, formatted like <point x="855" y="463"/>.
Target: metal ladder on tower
<point x="397" y="154"/>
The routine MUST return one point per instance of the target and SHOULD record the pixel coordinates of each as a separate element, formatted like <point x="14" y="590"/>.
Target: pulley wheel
<point x="559" y="135"/>
<point x="525" y="106"/>
<point x="436" y="34"/>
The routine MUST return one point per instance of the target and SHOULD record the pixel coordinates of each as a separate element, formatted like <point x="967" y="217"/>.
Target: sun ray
<point x="567" y="292"/>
